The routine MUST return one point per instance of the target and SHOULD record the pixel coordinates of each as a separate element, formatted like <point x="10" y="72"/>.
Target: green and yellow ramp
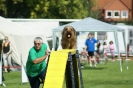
<point x="62" y="64"/>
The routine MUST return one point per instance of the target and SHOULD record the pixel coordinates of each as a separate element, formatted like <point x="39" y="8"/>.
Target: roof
<point x="111" y="2"/>
<point x="90" y="24"/>
<point x="10" y="27"/>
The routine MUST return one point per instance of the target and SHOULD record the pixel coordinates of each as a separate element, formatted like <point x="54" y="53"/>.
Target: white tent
<point x="21" y="38"/>
<point x="92" y="25"/>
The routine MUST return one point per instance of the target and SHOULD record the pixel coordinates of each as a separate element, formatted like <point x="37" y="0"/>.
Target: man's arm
<point x="38" y="60"/>
<point x="96" y="40"/>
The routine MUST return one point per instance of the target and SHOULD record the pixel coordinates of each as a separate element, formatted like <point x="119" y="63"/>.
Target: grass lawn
<point x="108" y="76"/>
<point x="104" y="76"/>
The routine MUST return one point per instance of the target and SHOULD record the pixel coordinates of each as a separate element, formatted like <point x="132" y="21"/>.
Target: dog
<point x="68" y="40"/>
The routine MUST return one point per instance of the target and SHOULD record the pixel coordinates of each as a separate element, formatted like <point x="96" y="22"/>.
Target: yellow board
<point x="56" y="68"/>
<point x="73" y="51"/>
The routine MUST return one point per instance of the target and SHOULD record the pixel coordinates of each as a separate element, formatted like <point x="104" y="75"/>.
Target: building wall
<point x="117" y="6"/>
<point x="102" y="3"/>
<point x="129" y="3"/>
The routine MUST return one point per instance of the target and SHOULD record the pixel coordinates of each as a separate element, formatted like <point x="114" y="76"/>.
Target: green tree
<point x="3" y="10"/>
<point x="14" y="9"/>
<point x="50" y="9"/>
<point x="89" y="4"/>
<point x="63" y="9"/>
<point x="17" y="9"/>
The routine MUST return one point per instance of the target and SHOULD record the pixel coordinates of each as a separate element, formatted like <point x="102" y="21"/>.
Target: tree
<point x="14" y="9"/>
<point x="3" y="10"/>
<point x="17" y="9"/>
<point x="50" y="9"/>
<point x="63" y="9"/>
<point x="92" y="9"/>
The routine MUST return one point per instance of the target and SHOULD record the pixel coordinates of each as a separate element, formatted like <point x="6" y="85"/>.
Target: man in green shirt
<point x="36" y="65"/>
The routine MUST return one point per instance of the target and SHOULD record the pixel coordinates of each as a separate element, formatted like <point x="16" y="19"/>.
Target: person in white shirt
<point x="105" y="51"/>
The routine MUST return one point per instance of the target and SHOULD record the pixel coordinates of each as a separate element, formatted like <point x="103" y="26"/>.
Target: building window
<point x="108" y="14"/>
<point x="116" y="14"/>
<point x="124" y="14"/>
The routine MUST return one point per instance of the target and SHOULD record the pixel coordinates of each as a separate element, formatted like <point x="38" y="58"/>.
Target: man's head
<point x="89" y="35"/>
<point x="38" y="43"/>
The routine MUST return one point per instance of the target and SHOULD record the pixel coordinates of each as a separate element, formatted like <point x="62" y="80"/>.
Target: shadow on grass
<point x="112" y="82"/>
<point x="92" y="68"/>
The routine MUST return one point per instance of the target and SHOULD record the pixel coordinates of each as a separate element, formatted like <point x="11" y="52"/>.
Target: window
<point x="130" y="42"/>
<point x="131" y="33"/>
<point x="124" y="14"/>
<point x="105" y="37"/>
<point x="108" y="14"/>
<point x="102" y="36"/>
<point x="116" y="14"/>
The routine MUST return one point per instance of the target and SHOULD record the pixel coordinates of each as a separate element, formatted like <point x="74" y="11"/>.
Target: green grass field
<point x="104" y="76"/>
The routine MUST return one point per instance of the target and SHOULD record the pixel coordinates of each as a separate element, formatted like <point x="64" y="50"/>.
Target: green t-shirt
<point x="35" y="69"/>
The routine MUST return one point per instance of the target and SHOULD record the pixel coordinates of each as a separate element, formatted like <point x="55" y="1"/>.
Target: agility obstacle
<point x="63" y="65"/>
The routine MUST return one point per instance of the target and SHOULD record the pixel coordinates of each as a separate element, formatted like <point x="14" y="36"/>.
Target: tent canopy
<point x="90" y="24"/>
<point x="21" y="38"/>
<point x="16" y="29"/>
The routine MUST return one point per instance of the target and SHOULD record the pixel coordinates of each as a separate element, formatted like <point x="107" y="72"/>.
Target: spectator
<point x="6" y="51"/>
<point x="97" y="54"/>
<point x="83" y="58"/>
<point x="98" y="47"/>
<point x="111" y="47"/>
<point x="90" y="47"/>
<point x="36" y="64"/>
<point x="105" y="51"/>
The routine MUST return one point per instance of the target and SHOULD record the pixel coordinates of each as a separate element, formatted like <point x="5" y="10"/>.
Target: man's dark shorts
<point x="91" y="54"/>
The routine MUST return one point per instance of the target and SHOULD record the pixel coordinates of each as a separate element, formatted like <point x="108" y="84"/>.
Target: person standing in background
<point x="97" y="54"/>
<point x="105" y="51"/>
<point x="98" y="47"/>
<point x="112" y="51"/>
<point x="90" y="47"/>
<point x="6" y="52"/>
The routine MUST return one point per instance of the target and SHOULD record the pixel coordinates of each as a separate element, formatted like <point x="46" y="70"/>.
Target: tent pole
<point x="116" y="40"/>
<point x="96" y="35"/>
<point x="53" y="40"/>
<point x="1" y="70"/>
<point x="125" y="45"/>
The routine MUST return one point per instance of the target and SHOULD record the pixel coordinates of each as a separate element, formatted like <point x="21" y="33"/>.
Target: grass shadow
<point x="93" y="68"/>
